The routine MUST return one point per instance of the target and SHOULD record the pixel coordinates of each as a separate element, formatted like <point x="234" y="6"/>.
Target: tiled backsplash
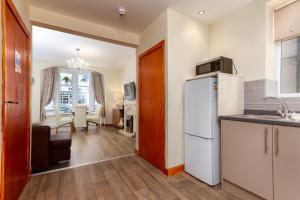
<point x="256" y="91"/>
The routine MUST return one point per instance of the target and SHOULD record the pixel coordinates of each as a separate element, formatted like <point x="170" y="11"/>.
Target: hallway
<point x="125" y="178"/>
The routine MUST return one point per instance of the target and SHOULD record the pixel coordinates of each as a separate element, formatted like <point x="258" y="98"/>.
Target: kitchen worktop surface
<point x="263" y="119"/>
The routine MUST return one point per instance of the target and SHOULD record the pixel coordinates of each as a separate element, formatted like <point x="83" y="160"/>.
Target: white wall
<point x="153" y="34"/>
<point x="242" y="36"/>
<point x="271" y="67"/>
<point x="113" y="80"/>
<point x="129" y="71"/>
<point x="188" y="44"/>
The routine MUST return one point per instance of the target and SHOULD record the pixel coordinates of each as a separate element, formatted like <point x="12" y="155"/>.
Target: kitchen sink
<point x="267" y="117"/>
<point x="271" y="117"/>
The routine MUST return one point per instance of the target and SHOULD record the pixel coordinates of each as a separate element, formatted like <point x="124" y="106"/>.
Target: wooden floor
<point x="123" y="178"/>
<point x="96" y="145"/>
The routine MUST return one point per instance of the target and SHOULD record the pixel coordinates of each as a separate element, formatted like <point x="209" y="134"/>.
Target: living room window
<point x="74" y="88"/>
<point x="66" y="92"/>
<point x="50" y="108"/>
<point x="83" y="89"/>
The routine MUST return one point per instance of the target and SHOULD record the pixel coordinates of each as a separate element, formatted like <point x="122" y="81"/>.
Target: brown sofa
<point x="48" y="149"/>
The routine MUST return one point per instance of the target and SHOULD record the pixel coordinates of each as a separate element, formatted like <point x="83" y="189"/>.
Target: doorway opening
<point x="80" y="105"/>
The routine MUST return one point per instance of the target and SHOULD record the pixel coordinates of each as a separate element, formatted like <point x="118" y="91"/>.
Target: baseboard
<point x="238" y="192"/>
<point x="171" y="171"/>
<point x="108" y="125"/>
<point x="136" y="152"/>
<point x="174" y="170"/>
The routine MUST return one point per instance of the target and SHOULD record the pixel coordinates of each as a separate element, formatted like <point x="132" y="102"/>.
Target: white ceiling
<point x="57" y="47"/>
<point x="140" y="12"/>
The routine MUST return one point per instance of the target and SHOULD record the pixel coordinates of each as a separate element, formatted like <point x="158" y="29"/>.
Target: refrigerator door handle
<point x="204" y="138"/>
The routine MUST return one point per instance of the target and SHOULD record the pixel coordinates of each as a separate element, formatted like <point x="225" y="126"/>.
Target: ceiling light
<point x="77" y="63"/>
<point x="122" y="11"/>
<point x="201" y="12"/>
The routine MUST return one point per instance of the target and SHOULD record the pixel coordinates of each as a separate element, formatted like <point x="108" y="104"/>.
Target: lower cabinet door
<point x="286" y="163"/>
<point x="247" y="156"/>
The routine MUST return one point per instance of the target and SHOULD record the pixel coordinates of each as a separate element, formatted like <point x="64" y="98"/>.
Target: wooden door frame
<point x="163" y="117"/>
<point x="8" y="4"/>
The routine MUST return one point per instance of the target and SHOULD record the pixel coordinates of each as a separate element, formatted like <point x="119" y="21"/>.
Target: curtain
<point x="98" y="89"/>
<point x="50" y="80"/>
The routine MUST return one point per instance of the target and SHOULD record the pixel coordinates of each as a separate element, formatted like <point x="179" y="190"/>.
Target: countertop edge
<point x="261" y="121"/>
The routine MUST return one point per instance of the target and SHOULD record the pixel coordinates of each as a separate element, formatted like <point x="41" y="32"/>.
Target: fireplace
<point x="129" y="123"/>
<point x="129" y="119"/>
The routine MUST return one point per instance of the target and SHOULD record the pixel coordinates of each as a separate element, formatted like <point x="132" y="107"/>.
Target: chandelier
<point x="77" y="63"/>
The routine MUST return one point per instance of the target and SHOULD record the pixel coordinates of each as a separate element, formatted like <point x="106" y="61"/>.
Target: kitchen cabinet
<point x="260" y="161"/>
<point x="247" y="156"/>
<point x="286" y="163"/>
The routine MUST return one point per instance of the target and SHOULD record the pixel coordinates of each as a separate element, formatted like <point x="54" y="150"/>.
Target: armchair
<point x="97" y="118"/>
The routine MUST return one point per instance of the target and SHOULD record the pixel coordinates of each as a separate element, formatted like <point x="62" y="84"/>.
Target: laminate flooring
<point x="125" y="178"/>
<point x="93" y="146"/>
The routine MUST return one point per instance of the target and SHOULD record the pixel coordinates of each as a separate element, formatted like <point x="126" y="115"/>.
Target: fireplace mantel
<point x="129" y="112"/>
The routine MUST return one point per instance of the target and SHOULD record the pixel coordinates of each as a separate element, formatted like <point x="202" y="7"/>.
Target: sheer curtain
<point x="98" y="89"/>
<point x="50" y="80"/>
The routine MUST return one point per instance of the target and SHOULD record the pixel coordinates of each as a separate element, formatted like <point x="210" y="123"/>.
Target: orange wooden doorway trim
<point x="151" y="105"/>
<point x="174" y="170"/>
<point x="8" y="9"/>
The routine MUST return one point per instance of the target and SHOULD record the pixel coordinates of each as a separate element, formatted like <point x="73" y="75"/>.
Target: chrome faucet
<point x="285" y="111"/>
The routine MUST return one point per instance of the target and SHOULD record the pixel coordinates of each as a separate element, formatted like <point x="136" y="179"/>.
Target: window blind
<point x="287" y="21"/>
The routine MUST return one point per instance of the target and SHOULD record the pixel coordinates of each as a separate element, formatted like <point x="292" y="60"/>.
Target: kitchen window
<point x="287" y="40"/>
<point x="289" y="68"/>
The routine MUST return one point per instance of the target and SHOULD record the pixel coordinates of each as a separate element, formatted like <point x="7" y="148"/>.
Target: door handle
<point x="266" y="141"/>
<point x="276" y="142"/>
<point x="12" y="102"/>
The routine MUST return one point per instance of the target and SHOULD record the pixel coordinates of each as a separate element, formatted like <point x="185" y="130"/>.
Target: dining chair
<point x="80" y="117"/>
<point x="96" y="118"/>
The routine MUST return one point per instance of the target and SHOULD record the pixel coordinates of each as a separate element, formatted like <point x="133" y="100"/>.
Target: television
<point x="129" y="91"/>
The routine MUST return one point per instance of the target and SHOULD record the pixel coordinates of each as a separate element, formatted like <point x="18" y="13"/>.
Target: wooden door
<point x="151" y="105"/>
<point x="247" y="156"/>
<point x="286" y="163"/>
<point x="15" y="107"/>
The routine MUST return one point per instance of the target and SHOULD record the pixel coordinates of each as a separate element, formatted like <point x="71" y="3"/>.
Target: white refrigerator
<point x="202" y="131"/>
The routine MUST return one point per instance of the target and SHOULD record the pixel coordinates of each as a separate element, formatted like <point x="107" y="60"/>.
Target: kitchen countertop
<point x="265" y="120"/>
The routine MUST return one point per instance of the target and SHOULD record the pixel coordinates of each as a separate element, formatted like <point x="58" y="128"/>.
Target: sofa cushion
<point x="57" y="155"/>
<point x="40" y="147"/>
<point x="60" y="141"/>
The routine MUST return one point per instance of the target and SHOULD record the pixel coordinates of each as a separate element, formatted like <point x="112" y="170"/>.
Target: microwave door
<point x="205" y="68"/>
